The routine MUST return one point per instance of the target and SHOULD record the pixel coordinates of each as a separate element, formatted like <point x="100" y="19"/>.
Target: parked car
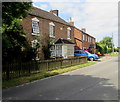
<point x="90" y="56"/>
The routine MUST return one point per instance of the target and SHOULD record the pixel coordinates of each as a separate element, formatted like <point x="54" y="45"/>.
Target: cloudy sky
<point x="99" y="17"/>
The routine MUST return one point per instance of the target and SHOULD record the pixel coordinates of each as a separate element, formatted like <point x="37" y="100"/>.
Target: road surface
<point x="95" y="82"/>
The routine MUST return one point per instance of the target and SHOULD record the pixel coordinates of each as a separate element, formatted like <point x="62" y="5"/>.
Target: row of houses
<point x="43" y="28"/>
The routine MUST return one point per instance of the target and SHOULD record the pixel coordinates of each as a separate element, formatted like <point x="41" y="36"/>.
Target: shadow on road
<point x="65" y="87"/>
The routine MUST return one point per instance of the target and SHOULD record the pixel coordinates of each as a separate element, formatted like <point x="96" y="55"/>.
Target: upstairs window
<point x="52" y="29"/>
<point x="35" y="26"/>
<point x="69" y="33"/>
<point x="93" y="40"/>
<point x="83" y="37"/>
<point x="90" y="39"/>
<point x="86" y="37"/>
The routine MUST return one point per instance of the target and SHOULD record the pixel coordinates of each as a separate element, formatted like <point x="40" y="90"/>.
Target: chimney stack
<point x="83" y="29"/>
<point x="70" y="21"/>
<point x="55" y="12"/>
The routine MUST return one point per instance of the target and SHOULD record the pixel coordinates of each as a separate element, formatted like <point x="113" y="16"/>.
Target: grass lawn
<point x="26" y="79"/>
<point x="114" y="54"/>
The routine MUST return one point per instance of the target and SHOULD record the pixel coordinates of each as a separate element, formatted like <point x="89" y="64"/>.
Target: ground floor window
<point x="56" y="51"/>
<point x="34" y="43"/>
<point x="52" y="50"/>
<point x="70" y="50"/>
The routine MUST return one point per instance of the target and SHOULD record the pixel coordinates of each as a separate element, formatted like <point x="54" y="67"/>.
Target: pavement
<point x="104" y="58"/>
<point x="95" y="82"/>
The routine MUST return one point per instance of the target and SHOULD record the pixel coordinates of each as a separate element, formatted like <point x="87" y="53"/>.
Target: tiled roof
<point x="63" y="41"/>
<point x="47" y="15"/>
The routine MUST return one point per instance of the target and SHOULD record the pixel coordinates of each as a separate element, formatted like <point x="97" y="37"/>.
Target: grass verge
<point x="114" y="54"/>
<point x="26" y="79"/>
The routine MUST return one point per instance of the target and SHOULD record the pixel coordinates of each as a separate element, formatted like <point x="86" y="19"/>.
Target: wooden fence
<point x="15" y="70"/>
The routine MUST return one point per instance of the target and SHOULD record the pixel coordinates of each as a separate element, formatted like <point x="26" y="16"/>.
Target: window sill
<point x="36" y="34"/>
<point x="68" y="38"/>
<point x="52" y="36"/>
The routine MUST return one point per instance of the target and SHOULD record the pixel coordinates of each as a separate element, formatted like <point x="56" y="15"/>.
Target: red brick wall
<point x="78" y="39"/>
<point x="60" y="31"/>
<point x="79" y="45"/>
<point x="87" y="43"/>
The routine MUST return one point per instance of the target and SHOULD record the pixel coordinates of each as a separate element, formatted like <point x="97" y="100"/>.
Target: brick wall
<point x="60" y="31"/>
<point x="78" y="39"/>
<point x="88" y="40"/>
<point x="80" y="43"/>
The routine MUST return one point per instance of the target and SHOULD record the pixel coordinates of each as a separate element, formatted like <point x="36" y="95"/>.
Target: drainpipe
<point x="82" y="42"/>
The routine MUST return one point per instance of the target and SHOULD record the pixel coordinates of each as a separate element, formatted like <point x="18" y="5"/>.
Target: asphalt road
<point x="95" y="82"/>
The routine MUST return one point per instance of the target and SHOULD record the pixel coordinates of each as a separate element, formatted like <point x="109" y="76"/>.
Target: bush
<point x="109" y="50"/>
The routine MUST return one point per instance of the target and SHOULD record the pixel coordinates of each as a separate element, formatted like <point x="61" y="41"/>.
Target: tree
<point x="107" y="41"/>
<point x="46" y="46"/>
<point x="13" y="37"/>
<point x="101" y="48"/>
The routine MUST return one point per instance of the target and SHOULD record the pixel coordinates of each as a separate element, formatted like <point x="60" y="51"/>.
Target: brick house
<point x="83" y="40"/>
<point x="42" y="27"/>
<point x="88" y="41"/>
<point x="78" y="39"/>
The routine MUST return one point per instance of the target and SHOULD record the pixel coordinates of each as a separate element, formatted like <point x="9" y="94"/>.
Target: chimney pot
<point x="55" y="12"/>
<point x="70" y="21"/>
<point x="83" y="29"/>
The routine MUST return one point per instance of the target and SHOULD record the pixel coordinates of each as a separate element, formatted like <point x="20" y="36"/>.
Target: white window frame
<point x="68" y="33"/>
<point x="34" y="42"/>
<point x="83" y="37"/>
<point x="58" y="50"/>
<point x="70" y="50"/>
<point x="35" y="29"/>
<point x="52" y="50"/>
<point x="51" y="29"/>
<point x="93" y="40"/>
<point x="86" y="37"/>
<point x="84" y="48"/>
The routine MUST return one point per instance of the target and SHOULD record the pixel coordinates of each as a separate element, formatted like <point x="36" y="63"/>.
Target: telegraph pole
<point x="112" y="44"/>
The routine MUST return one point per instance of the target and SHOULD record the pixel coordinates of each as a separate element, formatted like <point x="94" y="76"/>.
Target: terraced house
<point x="88" y="41"/>
<point x="84" y="41"/>
<point x="44" y="28"/>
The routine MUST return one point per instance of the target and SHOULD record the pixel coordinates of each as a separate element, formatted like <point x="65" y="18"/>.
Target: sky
<point x="99" y="17"/>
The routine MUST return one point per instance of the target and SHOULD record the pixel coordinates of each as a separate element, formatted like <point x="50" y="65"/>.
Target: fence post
<point x="7" y="71"/>
<point x="79" y="60"/>
<point x="29" y="63"/>
<point x="71" y="61"/>
<point x="61" y="63"/>
<point x="20" y="68"/>
<point x="47" y="66"/>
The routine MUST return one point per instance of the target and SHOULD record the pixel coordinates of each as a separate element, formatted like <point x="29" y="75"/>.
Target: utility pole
<point x="112" y="44"/>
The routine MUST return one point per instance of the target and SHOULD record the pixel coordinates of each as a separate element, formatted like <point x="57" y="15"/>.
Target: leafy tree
<point x="105" y="45"/>
<point x="107" y="41"/>
<point x="101" y="48"/>
<point x="13" y="37"/>
<point x="13" y="10"/>
<point x="109" y="50"/>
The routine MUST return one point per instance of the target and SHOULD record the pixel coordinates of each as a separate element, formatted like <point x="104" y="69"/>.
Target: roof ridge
<point x="48" y="14"/>
<point x="62" y="40"/>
